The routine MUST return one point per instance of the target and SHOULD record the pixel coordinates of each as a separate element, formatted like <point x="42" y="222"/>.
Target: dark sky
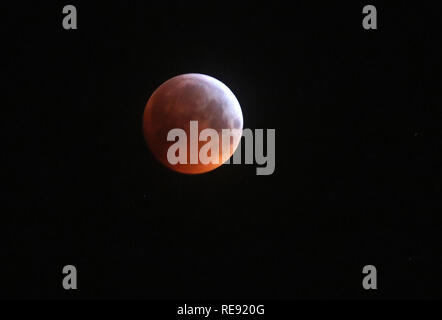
<point x="358" y="152"/>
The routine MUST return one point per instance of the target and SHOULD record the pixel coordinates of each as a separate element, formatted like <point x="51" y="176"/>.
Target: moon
<point x="185" y="98"/>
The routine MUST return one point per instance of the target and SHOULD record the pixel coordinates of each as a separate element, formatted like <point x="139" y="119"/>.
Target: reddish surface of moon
<point x="185" y="98"/>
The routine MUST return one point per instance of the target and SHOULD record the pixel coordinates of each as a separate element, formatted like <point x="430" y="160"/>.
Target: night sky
<point x="358" y="176"/>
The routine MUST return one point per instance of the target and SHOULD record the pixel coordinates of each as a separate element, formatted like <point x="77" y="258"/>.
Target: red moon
<point x="185" y="98"/>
